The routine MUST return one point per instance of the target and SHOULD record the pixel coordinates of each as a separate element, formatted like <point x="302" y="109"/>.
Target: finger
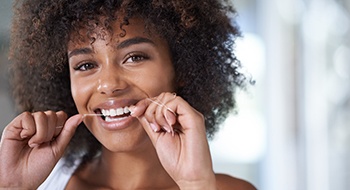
<point x="154" y="111"/>
<point x="26" y="123"/>
<point x="51" y="124"/>
<point x="21" y="127"/>
<point x="62" y="140"/>
<point x="154" y="104"/>
<point x="140" y="108"/>
<point x="161" y="117"/>
<point x="170" y="117"/>
<point x="155" y="116"/>
<point x="149" y="128"/>
<point x="61" y="119"/>
<point x="179" y="114"/>
<point x="155" y="126"/>
<point x="41" y="126"/>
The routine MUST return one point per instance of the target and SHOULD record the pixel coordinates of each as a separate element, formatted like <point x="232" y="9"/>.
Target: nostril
<point x="111" y="85"/>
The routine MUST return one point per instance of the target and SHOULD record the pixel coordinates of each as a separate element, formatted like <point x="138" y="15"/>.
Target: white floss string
<point x="163" y="105"/>
<point x="92" y="115"/>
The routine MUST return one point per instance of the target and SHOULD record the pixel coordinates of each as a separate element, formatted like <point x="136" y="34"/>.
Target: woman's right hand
<point x="31" y="145"/>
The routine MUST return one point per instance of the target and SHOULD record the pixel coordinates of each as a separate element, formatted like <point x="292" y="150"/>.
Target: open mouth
<point x="110" y="115"/>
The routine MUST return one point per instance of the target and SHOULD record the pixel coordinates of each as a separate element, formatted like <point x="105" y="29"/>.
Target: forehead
<point x="112" y="33"/>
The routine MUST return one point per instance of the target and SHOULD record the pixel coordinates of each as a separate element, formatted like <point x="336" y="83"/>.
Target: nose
<point x="111" y="81"/>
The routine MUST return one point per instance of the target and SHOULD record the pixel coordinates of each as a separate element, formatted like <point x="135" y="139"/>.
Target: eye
<point x="85" y="66"/>
<point x="135" y="57"/>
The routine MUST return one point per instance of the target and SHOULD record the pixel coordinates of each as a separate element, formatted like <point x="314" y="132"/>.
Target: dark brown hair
<point x="200" y="34"/>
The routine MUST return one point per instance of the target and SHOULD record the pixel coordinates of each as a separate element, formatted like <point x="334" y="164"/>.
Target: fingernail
<point x="169" y="120"/>
<point x="167" y="129"/>
<point x="33" y="145"/>
<point x="153" y="127"/>
<point x="80" y="120"/>
<point x="132" y="109"/>
<point x="24" y="136"/>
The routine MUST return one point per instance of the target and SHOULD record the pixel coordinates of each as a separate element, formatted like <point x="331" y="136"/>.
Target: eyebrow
<point x="80" y="51"/>
<point x="121" y="45"/>
<point x="133" y="41"/>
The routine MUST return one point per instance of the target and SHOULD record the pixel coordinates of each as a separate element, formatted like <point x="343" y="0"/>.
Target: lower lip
<point x="117" y="124"/>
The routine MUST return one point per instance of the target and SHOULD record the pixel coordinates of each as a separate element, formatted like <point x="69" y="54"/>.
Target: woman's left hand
<point x="178" y="134"/>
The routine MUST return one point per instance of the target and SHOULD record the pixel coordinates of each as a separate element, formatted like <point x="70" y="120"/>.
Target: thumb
<point x="150" y="128"/>
<point x="68" y="130"/>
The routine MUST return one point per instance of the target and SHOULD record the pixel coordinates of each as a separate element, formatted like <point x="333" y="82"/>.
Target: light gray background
<point x="6" y="104"/>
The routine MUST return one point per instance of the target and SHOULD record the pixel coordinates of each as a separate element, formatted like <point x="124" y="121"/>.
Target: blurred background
<point x="293" y="126"/>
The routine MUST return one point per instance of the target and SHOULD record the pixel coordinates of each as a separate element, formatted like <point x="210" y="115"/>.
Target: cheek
<point x="167" y="76"/>
<point x="79" y="91"/>
<point x="75" y="93"/>
<point x="161" y="80"/>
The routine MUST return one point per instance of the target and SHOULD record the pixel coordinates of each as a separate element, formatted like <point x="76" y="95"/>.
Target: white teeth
<point x="105" y="112"/>
<point x="126" y="110"/>
<point x="115" y="112"/>
<point x="120" y="111"/>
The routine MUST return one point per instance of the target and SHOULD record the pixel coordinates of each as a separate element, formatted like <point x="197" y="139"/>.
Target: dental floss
<point x="162" y="105"/>
<point x="60" y="127"/>
<point x="159" y="104"/>
<point x="169" y="109"/>
<point x="92" y="114"/>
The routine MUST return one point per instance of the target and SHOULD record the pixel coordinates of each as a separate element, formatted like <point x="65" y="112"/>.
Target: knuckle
<point x="50" y="113"/>
<point x="26" y="115"/>
<point x="39" y="114"/>
<point x="24" y="118"/>
<point x="61" y="116"/>
<point x="40" y="138"/>
<point x="160" y="118"/>
<point x="40" y="118"/>
<point x="168" y="94"/>
<point x="161" y="96"/>
<point x="149" y="115"/>
<point x="62" y="113"/>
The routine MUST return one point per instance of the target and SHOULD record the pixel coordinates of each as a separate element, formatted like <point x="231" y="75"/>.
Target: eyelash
<point x="136" y="57"/>
<point x="84" y="66"/>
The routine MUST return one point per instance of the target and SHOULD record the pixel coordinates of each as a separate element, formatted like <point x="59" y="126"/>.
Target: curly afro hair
<point x="201" y="36"/>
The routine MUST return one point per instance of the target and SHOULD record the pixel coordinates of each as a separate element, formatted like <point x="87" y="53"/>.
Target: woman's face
<point x="113" y="73"/>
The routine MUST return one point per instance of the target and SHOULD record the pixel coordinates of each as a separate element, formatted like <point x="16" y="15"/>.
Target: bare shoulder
<point x="228" y="182"/>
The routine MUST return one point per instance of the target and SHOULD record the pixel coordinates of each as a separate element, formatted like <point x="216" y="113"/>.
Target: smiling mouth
<point x="110" y="115"/>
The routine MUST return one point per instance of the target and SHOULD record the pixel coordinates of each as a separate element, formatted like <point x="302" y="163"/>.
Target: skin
<point x="161" y="145"/>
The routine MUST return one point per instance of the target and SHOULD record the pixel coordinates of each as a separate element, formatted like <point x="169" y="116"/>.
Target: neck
<point x="135" y="169"/>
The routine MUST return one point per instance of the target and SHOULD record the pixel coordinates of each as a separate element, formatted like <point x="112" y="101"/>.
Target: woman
<point x="145" y="81"/>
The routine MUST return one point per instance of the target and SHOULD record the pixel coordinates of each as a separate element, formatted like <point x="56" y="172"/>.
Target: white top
<point x="58" y="178"/>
